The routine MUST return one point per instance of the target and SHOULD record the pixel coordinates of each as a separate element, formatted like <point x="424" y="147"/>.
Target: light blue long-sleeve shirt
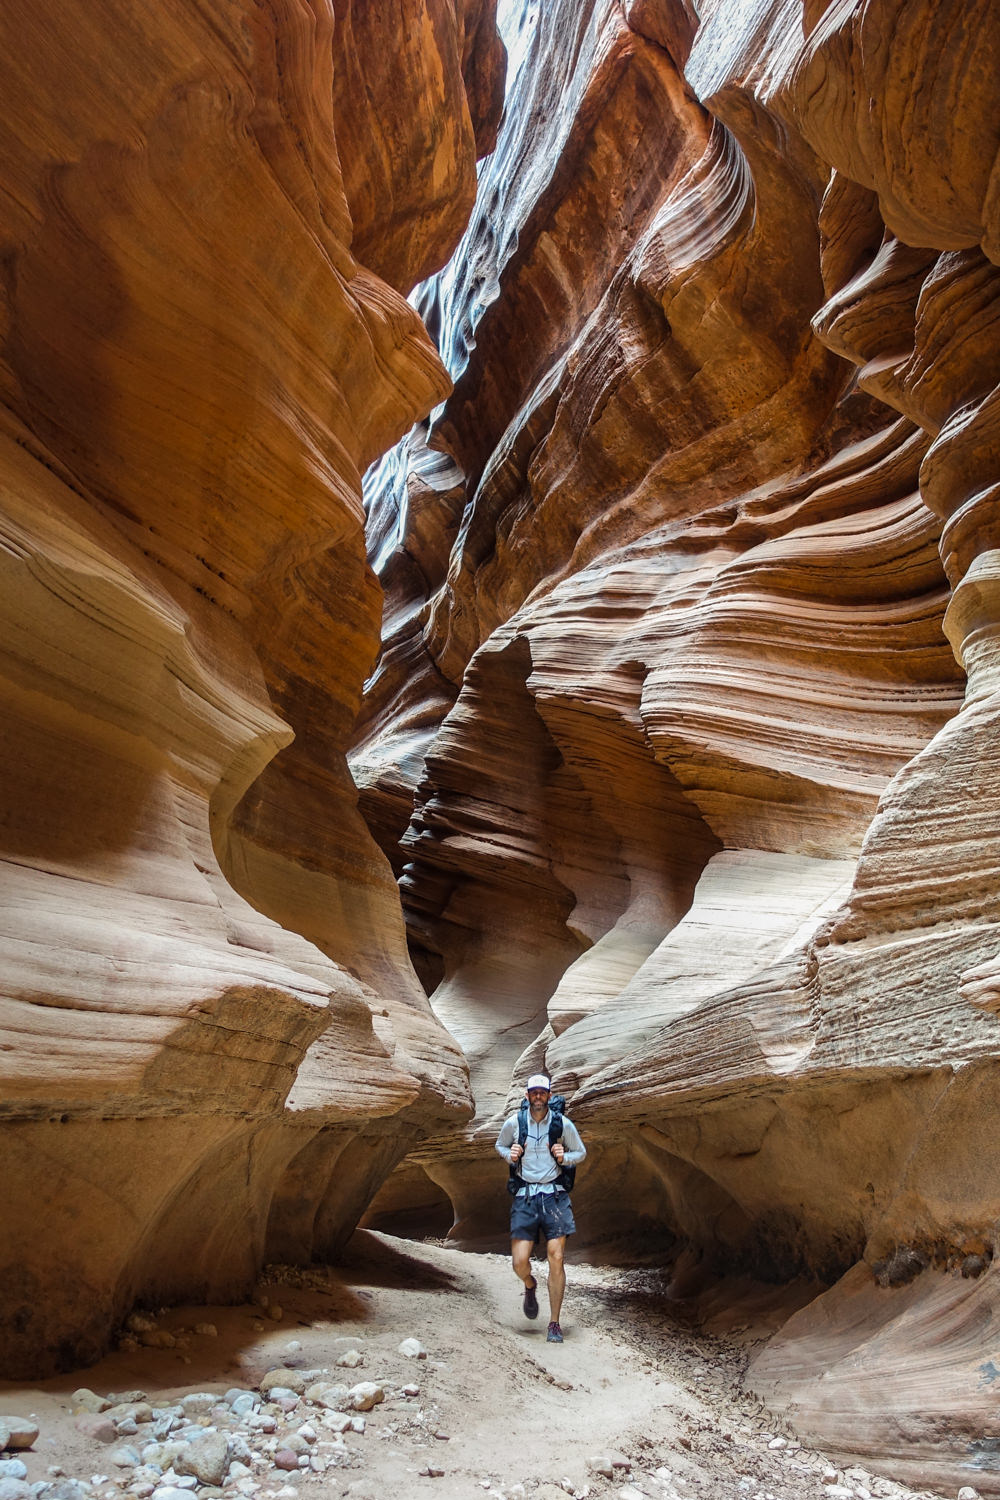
<point x="538" y="1167"/>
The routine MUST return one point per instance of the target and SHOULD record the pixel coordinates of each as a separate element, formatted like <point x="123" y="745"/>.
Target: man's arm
<point x="573" y="1148"/>
<point x="506" y="1139"/>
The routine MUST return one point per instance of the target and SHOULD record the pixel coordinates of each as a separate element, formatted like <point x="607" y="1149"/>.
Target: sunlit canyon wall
<point x="683" y="737"/>
<point x="213" y="1047"/>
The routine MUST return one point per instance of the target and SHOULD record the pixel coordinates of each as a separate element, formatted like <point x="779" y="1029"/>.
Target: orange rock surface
<point x="698" y="561"/>
<point x="212" y="1045"/>
<point x="680" y="743"/>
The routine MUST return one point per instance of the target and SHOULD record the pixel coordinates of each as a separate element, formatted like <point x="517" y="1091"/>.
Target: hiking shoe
<point x="554" y="1335"/>
<point x="530" y="1300"/>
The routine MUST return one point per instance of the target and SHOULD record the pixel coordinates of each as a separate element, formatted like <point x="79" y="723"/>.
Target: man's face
<point x="538" y="1098"/>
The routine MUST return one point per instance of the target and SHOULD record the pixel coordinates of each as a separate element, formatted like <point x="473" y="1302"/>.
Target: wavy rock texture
<point x="212" y="1045"/>
<point x="669" y="741"/>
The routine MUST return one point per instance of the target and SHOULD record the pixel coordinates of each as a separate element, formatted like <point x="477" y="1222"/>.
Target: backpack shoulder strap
<point x="522" y="1122"/>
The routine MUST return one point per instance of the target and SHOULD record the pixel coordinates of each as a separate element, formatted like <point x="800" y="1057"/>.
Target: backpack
<point x="557" y="1107"/>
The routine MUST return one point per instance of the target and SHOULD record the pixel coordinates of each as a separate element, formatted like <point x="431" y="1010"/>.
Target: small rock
<point x="285" y="1401"/>
<point x="158" y="1338"/>
<point x="357" y="1424"/>
<point x="13" y="1468"/>
<point x="275" y="1313"/>
<point x="4" y="1434"/>
<point x="21" y="1431"/>
<point x="336" y="1421"/>
<point x="171" y="1492"/>
<point x="366" y="1395"/>
<point x="778" y="1442"/>
<point x="324" y="1393"/>
<point x="432" y="1473"/>
<point x="207" y="1458"/>
<point x="94" y="1426"/>
<point x="127" y="1398"/>
<point x="967" y="1492"/>
<point x="140" y="1322"/>
<point x="239" y="1449"/>
<point x="283" y="1379"/>
<point x="284" y="1458"/>
<point x="411" y="1390"/>
<point x="162" y="1456"/>
<point x="88" y="1400"/>
<point x="295" y="1444"/>
<point x="125" y="1458"/>
<point x="239" y="1470"/>
<point x="63" y="1489"/>
<point x="412" y="1349"/>
<point x="600" y="1463"/>
<point x="351" y="1359"/>
<point x="345" y="1342"/>
<point x="206" y="1330"/>
<point x="309" y="1433"/>
<point x="839" y="1492"/>
<point x="198" y="1403"/>
<point x="15" y="1489"/>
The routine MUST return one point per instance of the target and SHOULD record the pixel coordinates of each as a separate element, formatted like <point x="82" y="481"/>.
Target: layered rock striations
<point x="670" y="740"/>
<point x="212" y="1044"/>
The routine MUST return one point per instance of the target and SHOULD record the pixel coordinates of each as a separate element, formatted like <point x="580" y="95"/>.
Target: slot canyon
<point x="500" y="531"/>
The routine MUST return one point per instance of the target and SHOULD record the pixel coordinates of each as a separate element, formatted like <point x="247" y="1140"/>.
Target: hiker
<point x="542" y="1149"/>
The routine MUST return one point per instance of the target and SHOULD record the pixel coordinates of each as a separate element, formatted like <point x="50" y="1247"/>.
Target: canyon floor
<point x="637" y="1389"/>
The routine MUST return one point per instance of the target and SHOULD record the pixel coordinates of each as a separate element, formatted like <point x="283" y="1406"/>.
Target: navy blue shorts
<point x="552" y="1213"/>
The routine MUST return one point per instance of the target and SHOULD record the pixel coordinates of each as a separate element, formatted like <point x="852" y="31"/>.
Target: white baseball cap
<point x="538" y="1081"/>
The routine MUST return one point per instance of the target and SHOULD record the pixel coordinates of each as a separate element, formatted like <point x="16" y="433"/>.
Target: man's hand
<point x="559" y="1151"/>
<point x="516" y="1152"/>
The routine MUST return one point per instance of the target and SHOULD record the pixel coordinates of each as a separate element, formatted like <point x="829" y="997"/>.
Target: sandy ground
<point x="500" y="1412"/>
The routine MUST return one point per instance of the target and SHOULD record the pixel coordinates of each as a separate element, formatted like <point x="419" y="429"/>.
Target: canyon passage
<point x="501" y="574"/>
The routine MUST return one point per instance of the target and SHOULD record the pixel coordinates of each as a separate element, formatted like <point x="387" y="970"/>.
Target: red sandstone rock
<point x="708" y="831"/>
<point x="207" y="1001"/>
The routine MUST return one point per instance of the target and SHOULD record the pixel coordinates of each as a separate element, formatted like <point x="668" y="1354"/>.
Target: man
<point x="541" y="1203"/>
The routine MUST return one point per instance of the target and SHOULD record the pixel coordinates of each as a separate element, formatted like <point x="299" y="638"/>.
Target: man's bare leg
<point x="557" y="1277"/>
<point x="520" y="1254"/>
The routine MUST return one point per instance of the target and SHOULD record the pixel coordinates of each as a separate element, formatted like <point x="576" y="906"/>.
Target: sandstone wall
<point x="698" y="563"/>
<point x="212" y="1045"/>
